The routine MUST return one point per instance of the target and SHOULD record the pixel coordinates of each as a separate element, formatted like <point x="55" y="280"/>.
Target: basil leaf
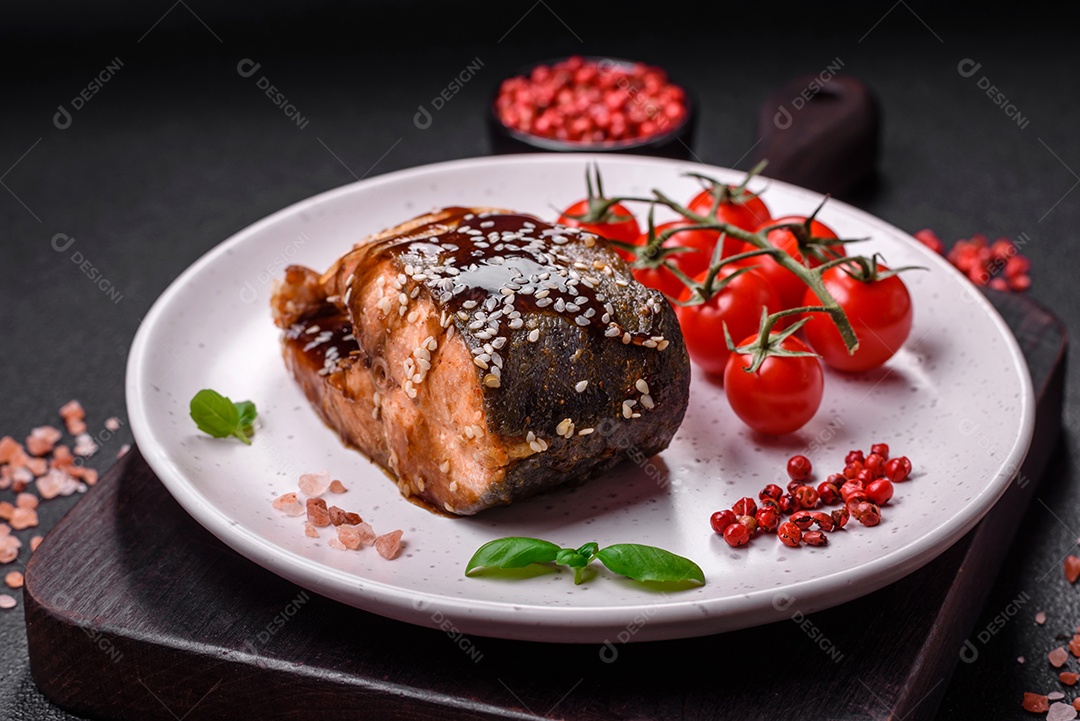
<point x="648" y="563"/>
<point x="217" y="416"/>
<point x="512" y="552"/>
<point x="570" y="557"/>
<point x="589" y="550"/>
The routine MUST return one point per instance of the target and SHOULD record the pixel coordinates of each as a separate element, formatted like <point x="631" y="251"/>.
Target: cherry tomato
<point x="738" y="304"/>
<point x="661" y="279"/>
<point x="626" y="230"/>
<point x="781" y="396"/>
<point x="748" y="215"/>
<point x="787" y="284"/>
<point x="701" y="243"/>
<point x="879" y="311"/>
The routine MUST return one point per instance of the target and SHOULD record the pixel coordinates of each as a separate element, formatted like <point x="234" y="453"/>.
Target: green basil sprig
<point x="633" y="560"/>
<point x="220" y="417"/>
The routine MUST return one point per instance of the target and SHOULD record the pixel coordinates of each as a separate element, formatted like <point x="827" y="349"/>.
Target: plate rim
<point x="514" y="620"/>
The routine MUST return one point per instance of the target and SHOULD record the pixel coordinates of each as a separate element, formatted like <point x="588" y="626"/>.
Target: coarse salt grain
<point x="288" y="504"/>
<point x="1035" y="703"/>
<point x="335" y="543"/>
<point x="1072" y="568"/>
<point x="113" y="424"/>
<point x="337" y="487"/>
<point x="22" y="518"/>
<point x="309" y="530"/>
<point x="1058" y="657"/>
<point x="56" y="483"/>
<point x="84" y="446"/>
<point x="314" y="484"/>
<point x="1040" y="617"/>
<point x="389" y="545"/>
<point x="42" y="440"/>
<point x="7" y="601"/>
<point x="1061" y="712"/>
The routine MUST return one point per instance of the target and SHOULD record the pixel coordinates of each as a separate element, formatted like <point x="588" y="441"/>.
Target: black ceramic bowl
<point x="672" y="143"/>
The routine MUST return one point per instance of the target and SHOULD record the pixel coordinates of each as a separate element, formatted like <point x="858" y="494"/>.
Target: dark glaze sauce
<point x="491" y="270"/>
<point x="325" y="338"/>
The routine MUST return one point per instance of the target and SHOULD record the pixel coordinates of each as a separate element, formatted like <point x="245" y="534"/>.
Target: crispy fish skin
<point x="481" y="357"/>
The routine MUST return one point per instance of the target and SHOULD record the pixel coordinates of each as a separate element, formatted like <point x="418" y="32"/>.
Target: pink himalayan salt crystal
<point x="7" y="601"/>
<point x="123" y="450"/>
<point x="9" y="449"/>
<point x="335" y="543"/>
<point x="112" y="424"/>
<point x="349" y="536"/>
<point x="56" y="483"/>
<point x="337" y="487"/>
<point x="9" y="548"/>
<point x="13" y="579"/>
<point x="367" y="533"/>
<point x="289" y="505"/>
<point x="1061" y="712"/>
<point x="72" y="409"/>
<point x="22" y="518"/>
<point x="23" y="475"/>
<point x="42" y="440"/>
<point x="26" y="500"/>
<point x="85" y="446"/>
<point x="310" y="531"/>
<point x="388" y="544"/>
<point x="1058" y="657"/>
<point x="1055" y="696"/>
<point x="1019" y="659"/>
<point x="314" y="484"/>
<point x="35" y="541"/>
<point x="1040" y="618"/>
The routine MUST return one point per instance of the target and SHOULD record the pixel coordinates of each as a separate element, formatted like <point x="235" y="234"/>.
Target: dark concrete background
<point x="178" y="151"/>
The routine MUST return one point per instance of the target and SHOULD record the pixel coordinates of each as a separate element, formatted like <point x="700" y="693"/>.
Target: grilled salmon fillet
<point x="482" y="356"/>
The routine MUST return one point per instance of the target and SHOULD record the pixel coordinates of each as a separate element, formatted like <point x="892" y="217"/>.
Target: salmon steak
<point x="481" y="356"/>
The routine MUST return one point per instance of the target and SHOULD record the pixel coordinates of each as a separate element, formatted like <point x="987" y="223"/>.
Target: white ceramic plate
<point x="957" y="400"/>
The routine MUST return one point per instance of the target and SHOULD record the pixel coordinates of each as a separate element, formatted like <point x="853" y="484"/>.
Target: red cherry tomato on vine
<point x="701" y="242"/>
<point x="781" y="396"/>
<point x="626" y="230"/>
<point x="738" y="304"/>
<point x="879" y="311"/>
<point x="661" y="279"/>
<point x="748" y="215"/>
<point x="787" y="284"/>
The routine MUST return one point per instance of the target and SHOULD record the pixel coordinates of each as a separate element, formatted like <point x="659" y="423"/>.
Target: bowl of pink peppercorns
<point x="592" y="104"/>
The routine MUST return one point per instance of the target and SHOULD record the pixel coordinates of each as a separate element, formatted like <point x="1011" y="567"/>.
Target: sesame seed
<point x="534" y="335"/>
<point x="662" y="345"/>
<point x="585" y="431"/>
<point x="480" y="362"/>
<point x="543" y="302"/>
<point x="535" y="445"/>
<point x="647" y="401"/>
<point x="453" y="485"/>
<point x="565" y="425"/>
<point x="581" y="386"/>
<point x="581" y="320"/>
<point x="492" y="381"/>
<point x="530" y="436"/>
<point x="642" y="386"/>
<point x="626" y="338"/>
<point x="448" y="507"/>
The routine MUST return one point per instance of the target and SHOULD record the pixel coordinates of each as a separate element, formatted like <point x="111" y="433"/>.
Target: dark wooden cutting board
<point x="135" y="612"/>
